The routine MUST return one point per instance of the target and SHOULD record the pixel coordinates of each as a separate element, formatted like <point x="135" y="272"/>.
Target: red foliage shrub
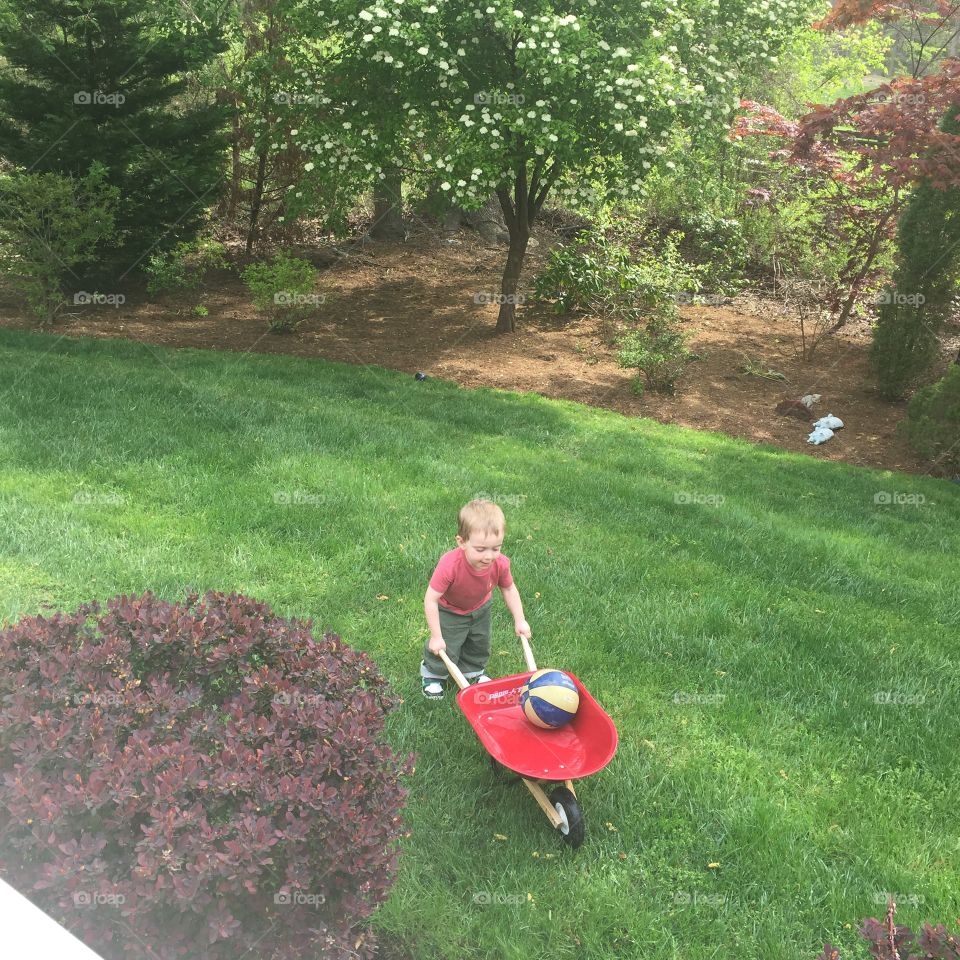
<point x="887" y="940"/>
<point x="196" y="780"/>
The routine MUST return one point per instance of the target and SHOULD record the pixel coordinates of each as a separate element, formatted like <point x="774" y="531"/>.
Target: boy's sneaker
<point x="483" y="678"/>
<point x="432" y="688"/>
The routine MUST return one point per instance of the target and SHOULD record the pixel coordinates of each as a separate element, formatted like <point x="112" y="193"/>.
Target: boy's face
<point x="481" y="549"/>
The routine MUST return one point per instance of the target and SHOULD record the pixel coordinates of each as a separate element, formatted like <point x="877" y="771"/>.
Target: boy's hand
<point x="522" y="628"/>
<point x="436" y="645"/>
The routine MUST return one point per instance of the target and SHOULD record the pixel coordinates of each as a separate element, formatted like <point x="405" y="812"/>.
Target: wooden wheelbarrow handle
<point x="528" y="654"/>
<point x="463" y="682"/>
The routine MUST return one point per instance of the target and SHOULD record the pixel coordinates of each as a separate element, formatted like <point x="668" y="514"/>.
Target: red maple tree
<point x="871" y="149"/>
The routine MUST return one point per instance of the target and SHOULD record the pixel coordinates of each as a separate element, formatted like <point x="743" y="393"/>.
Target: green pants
<point x="468" y="643"/>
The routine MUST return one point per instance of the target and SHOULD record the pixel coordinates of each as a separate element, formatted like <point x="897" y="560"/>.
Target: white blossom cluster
<point x="579" y="92"/>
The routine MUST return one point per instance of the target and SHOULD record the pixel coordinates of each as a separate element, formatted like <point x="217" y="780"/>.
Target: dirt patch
<point x="424" y="305"/>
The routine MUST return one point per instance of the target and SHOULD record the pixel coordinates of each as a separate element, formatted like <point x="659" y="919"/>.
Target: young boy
<point x="457" y="602"/>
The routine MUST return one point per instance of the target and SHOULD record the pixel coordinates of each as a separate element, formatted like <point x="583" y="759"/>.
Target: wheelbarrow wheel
<point x="572" y="827"/>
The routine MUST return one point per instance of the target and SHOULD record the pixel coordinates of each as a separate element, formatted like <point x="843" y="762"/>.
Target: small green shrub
<point x="578" y="276"/>
<point x="662" y="278"/>
<point x="658" y="352"/>
<point x="601" y="276"/>
<point x="719" y="245"/>
<point x="283" y="289"/>
<point x="185" y="267"/>
<point x="932" y="424"/>
<point x="48" y="225"/>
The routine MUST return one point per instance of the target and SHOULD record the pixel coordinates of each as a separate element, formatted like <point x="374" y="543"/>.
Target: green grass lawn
<point x="762" y="800"/>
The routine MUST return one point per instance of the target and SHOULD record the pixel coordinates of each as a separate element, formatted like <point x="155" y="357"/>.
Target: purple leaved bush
<point x="887" y="940"/>
<point x="197" y="780"/>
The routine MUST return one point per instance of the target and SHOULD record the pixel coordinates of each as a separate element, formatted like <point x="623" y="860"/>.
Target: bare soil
<point x="412" y="306"/>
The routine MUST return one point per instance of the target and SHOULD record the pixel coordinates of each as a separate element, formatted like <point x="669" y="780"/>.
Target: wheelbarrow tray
<point x="583" y="746"/>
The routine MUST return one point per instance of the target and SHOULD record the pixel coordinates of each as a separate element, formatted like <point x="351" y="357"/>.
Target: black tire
<point x="567" y="806"/>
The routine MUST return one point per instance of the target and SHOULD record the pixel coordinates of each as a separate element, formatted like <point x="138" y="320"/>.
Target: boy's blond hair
<point x="480" y="516"/>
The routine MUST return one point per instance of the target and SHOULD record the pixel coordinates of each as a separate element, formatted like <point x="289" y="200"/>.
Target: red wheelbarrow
<point x="539" y="757"/>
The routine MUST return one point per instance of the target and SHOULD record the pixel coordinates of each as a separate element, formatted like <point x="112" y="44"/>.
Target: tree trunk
<point x="265" y="43"/>
<point x="257" y="200"/>
<point x="506" y="319"/>
<point x="388" y="208"/>
<point x="235" y="171"/>
<point x="519" y="213"/>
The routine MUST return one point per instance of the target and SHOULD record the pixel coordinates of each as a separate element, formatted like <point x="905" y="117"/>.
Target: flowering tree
<point x="477" y="98"/>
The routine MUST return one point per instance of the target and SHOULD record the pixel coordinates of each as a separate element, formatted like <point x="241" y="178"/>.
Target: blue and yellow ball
<point x="549" y="699"/>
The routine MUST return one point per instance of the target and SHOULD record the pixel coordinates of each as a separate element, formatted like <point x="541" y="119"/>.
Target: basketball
<point x="549" y="699"/>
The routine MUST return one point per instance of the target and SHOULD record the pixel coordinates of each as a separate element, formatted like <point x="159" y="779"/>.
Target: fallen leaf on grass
<point x="499" y="836"/>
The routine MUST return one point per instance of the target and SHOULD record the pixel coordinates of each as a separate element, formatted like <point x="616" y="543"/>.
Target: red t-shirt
<point x="464" y="589"/>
